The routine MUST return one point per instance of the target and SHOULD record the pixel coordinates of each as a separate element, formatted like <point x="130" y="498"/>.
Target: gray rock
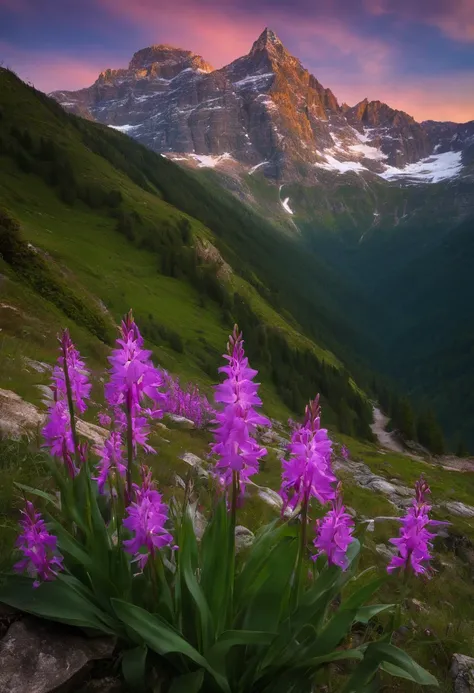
<point x="462" y="671"/>
<point x="39" y="657"/>
<point x="181" y="421"/>
<point x="107" y="684"/>
<point x="243" y="538"/>
<point x="271" y="437"/>
<point x="195" y="462"/>
<point x="385" y="551"/>
<point x="458" y="508"/>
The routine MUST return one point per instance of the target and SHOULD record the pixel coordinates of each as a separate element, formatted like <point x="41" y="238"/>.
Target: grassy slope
<point x="101" y="263"/>
<point x="83" y="244"/>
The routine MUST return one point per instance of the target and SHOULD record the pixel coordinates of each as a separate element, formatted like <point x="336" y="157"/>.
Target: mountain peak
<point x="166" y="55"/>
<point x="267" y="40"/>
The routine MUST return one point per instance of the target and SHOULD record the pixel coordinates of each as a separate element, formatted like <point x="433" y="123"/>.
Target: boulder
<point x="41" y="657"/>
<point x="196" y="462"/>
<point x="107" y="684"/>
<point x="458" y="508"/>
<point x="462" y="672"/>
<point x="243" y="538"/>
<point x="180" y="421"/>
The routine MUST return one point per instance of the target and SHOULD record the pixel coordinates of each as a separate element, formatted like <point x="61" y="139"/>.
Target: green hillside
<point x="94" y="224"/>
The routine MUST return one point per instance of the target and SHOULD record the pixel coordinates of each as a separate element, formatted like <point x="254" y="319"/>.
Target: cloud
<point x="455" y="18"/>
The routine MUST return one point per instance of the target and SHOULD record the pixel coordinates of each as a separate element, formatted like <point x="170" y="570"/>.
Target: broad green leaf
<point x="273" y="584"/>
<point x="364" y="593"/>
<point x="229" y="639"/>
<point x="134" y="667"/>
<point x="161" y="638"/>
<point x="68" y="544"/>
<point x="37" y="492"/>
<point x="188" y="683"/>
<point x="187" y="547"/>
<point x="335" y="631"/>
<point x="365" y="613"/>
<point x="215" y="580"/>
<point x="335" y="656"/>
<point x="55" y="601"/>
<point x="362" y="676"/>
<point x="256" y="558"/>
<point x="401" y="661"/>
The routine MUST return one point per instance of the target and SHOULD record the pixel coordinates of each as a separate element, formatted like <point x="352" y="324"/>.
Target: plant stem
<point x="301" y="552"/>
<point x="129" y="444"/>
<point x="70" y="403"/>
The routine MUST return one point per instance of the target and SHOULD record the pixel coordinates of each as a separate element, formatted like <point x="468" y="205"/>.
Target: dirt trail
<point x="385" y="438"/>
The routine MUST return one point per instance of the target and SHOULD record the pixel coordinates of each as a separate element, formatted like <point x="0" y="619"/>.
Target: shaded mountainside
<point x="264" y="110"/>
<point x="105" y="224"/>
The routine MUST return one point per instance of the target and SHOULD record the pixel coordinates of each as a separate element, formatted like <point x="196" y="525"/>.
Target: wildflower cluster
<point x="133" y="377"/>
<point x="236" y="447"/>
<point x="307" y="473"/>
<point x="414" y="543"/>
<point x="147" y="517"/>
<point x="41" y="559"/>
<point x="71" y="388"/>
<point x="188" y="402"/>
<point x="334" y="533"/>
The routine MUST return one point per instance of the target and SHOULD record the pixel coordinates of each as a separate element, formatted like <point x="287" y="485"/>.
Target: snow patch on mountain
<point x="333" y="164"/>
<point x="208" y="161"/>
<point x="432" y="169"/>
<point x="255" y="168"/>
<point x="253" y="80"/>
<point x="368" y="152"/>
<point x="125" y="128"/>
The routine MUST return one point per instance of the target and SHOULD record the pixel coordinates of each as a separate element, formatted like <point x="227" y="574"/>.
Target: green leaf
<point x="188" y="683"/>
<point x="187" y="548"/>
<point x="55" y="601"/>
<point x="400" y="661"/>
<point x="216" y="583"/>
<point x="365" y="613"/>
<point x="161" y="638"/>
<point x="68" y="544"/>
<point x="272" y="588"/>
<point x="364" y="593"/>
<point x="134" y="667"/>
<point x="229" y="639"/>
<point x="335" y="656"/>
<point x="37" y="492"/>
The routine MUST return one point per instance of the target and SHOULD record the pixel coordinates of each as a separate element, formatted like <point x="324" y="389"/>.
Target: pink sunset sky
<point x="416" y="55"/>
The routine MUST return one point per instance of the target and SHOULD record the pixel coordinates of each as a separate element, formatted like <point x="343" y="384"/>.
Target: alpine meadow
<point x="236" y="349"/>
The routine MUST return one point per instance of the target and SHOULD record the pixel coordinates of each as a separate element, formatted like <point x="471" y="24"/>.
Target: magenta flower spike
<point x="41" y="559"/>
<point x="307" y="473"/>
<point x="334" y="533"/>
<point x="77" y="371"/>
<point x="345" y="452"/>
<point x="414" y="543"/>
<point x="59" y="431"/>
<point x="132" y="377"/>
<point x="236" y="423"/>
<point x="112" y="462"/>
<point x="146" y="519"/>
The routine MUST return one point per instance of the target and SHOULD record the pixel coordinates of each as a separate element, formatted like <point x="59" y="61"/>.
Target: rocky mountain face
<point x="265" y="111"/>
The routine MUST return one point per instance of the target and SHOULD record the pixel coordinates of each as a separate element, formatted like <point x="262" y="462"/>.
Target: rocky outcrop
<point x="264" y="111"/>
<point x="39" y="657"/>
<point x="19" y="418"/>
<point x="462" y="672"/>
